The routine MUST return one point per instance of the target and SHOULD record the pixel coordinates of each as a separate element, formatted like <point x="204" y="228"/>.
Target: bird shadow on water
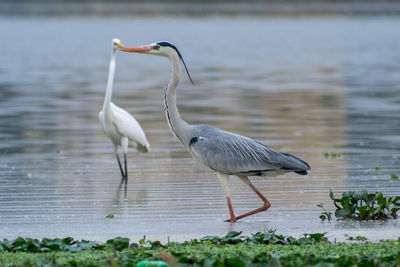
<point x="116" y="200"/>
<point x="124" y="182"/>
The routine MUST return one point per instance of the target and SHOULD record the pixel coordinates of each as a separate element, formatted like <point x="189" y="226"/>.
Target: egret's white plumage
<point x="118" y="125"/>
<point x="223" y="152"/>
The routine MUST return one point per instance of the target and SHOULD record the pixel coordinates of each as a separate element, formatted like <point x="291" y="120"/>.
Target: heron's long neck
<point x="110" y="81"/>
<point x="178" y="126"/>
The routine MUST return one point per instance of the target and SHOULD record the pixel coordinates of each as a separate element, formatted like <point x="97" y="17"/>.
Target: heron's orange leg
<point x="233" y="218"/>
<point x="224" y="179"/>
<point x="264" y="207"/>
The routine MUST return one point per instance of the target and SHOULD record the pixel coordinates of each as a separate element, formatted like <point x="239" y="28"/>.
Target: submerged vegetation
<point x="260" y="249"/>
<point x="332" y="155"/>
<point x="363" y="206"/>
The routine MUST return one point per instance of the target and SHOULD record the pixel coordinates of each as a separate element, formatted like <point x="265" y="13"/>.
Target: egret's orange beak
<point x="137" y="49"/>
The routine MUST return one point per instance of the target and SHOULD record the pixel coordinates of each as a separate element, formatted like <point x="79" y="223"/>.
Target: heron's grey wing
<point x="235" y="154"/>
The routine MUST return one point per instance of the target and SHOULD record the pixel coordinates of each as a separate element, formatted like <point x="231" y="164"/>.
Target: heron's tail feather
<point x="301" y="172"/>
<point x="295" y="164"/>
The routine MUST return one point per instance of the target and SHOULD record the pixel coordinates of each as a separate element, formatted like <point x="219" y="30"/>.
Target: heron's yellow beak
<point x="137" y="49"/>
<point x="119" y="45"/>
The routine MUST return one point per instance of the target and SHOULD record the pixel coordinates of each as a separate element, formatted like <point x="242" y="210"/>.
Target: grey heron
<point x="224" y="152"/>
<point x="118" y="125"/>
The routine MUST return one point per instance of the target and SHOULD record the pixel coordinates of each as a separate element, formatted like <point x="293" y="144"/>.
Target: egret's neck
<point x="179" y="127"/>
<point x="110" y="81"/>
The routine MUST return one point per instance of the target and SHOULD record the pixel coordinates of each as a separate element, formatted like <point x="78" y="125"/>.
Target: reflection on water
<point x="303" y="86"/>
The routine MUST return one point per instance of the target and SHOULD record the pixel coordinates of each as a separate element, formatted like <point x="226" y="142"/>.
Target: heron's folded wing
<point x="231" y="153"/>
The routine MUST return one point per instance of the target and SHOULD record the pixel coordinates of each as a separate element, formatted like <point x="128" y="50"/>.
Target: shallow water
<point x="305" y="86"/>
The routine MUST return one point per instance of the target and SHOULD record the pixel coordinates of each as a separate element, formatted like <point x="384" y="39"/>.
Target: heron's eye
<point x="156" y="47"/>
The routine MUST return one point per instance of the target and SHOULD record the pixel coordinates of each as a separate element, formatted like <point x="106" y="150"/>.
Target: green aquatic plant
<point x="259" y="249"/>
<point x="332" y="155"/>
<point x="356" y="238"/>
<point x="394" y="177"/>
<point x="378" y="168"/>
<point x="365" y="206"/>
<point x="269" y="237"/>
<point x="325" y="215"/>
<point x="110" y="216"/>
<point x="67" y="244"/>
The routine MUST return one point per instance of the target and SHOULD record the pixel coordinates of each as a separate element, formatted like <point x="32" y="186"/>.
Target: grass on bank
<point x="260" y="249"/>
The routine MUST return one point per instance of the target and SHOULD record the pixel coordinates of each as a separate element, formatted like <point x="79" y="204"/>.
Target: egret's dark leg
<point x="125" y="188"/>
<point x="120" y="167"/>
<point x="126" y="170"/>
<point x="266" y="205"/>
<point x="124" y="145"/>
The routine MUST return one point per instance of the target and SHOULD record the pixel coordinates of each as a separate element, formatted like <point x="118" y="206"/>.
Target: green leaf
<point x="361" y="238"/>
<point x="156" y="244"/>
<point x="134" y="246"/>
<point x="232" y="234"/>
<point x="318" y="236"/>
<point x="67" y="240"/>
<point x="86" y="245"/>
<point x="19" y="244"/>
<point x="342" y="213"/>
<point x="363" y="213"/>
<point x="212" y="238"/>
<point x="53" y="244"/>
<point x="331" y="195"/>
<point x="274" y="262"/>
<point x="110" y="216"/>
<point x="394" y="177"/>
<point x="7" y="245"/>
<point x="33" y="245"/>
<point x="118" y="243"/>
<point x="232" y="237"/>
<point x="393" y="212"/>
<point x="234" y="262"/>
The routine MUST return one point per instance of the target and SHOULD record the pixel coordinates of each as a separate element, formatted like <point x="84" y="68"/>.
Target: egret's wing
<point x="101" y="119"/>
<point x="127" y="126"/>
<point x="235" y="154"/>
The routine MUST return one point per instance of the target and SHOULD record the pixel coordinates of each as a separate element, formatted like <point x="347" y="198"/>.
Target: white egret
<point x="118" y="125"/>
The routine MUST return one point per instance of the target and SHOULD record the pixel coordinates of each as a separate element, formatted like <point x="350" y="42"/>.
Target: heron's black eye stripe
<point x="193" y="140"/>
<point x="157" y="47"/>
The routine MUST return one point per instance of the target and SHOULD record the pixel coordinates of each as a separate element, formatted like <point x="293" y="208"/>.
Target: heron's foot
<point x="231" y="220"/>
<point x="264" y="207"/>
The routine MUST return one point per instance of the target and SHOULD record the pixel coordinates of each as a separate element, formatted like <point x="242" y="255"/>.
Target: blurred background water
<point x="302" y="84"/>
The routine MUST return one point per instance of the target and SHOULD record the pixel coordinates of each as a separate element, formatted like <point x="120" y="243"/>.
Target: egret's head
<point x="116" y="43"/>
<point x="163" y="49"/>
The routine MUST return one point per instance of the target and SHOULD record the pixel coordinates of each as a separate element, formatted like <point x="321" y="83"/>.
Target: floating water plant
<point x="325" y="215"/>
<point x="365" y="206"/>
<point x="260" y="249"/>
<point x="110" y="216"/>
<point x="332" y="155"/>
<point x="394" y="177"/>
<point x="356" y="238"/>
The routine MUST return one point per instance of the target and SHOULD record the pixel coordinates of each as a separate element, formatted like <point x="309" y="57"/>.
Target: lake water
<point x="302" y="85"/>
